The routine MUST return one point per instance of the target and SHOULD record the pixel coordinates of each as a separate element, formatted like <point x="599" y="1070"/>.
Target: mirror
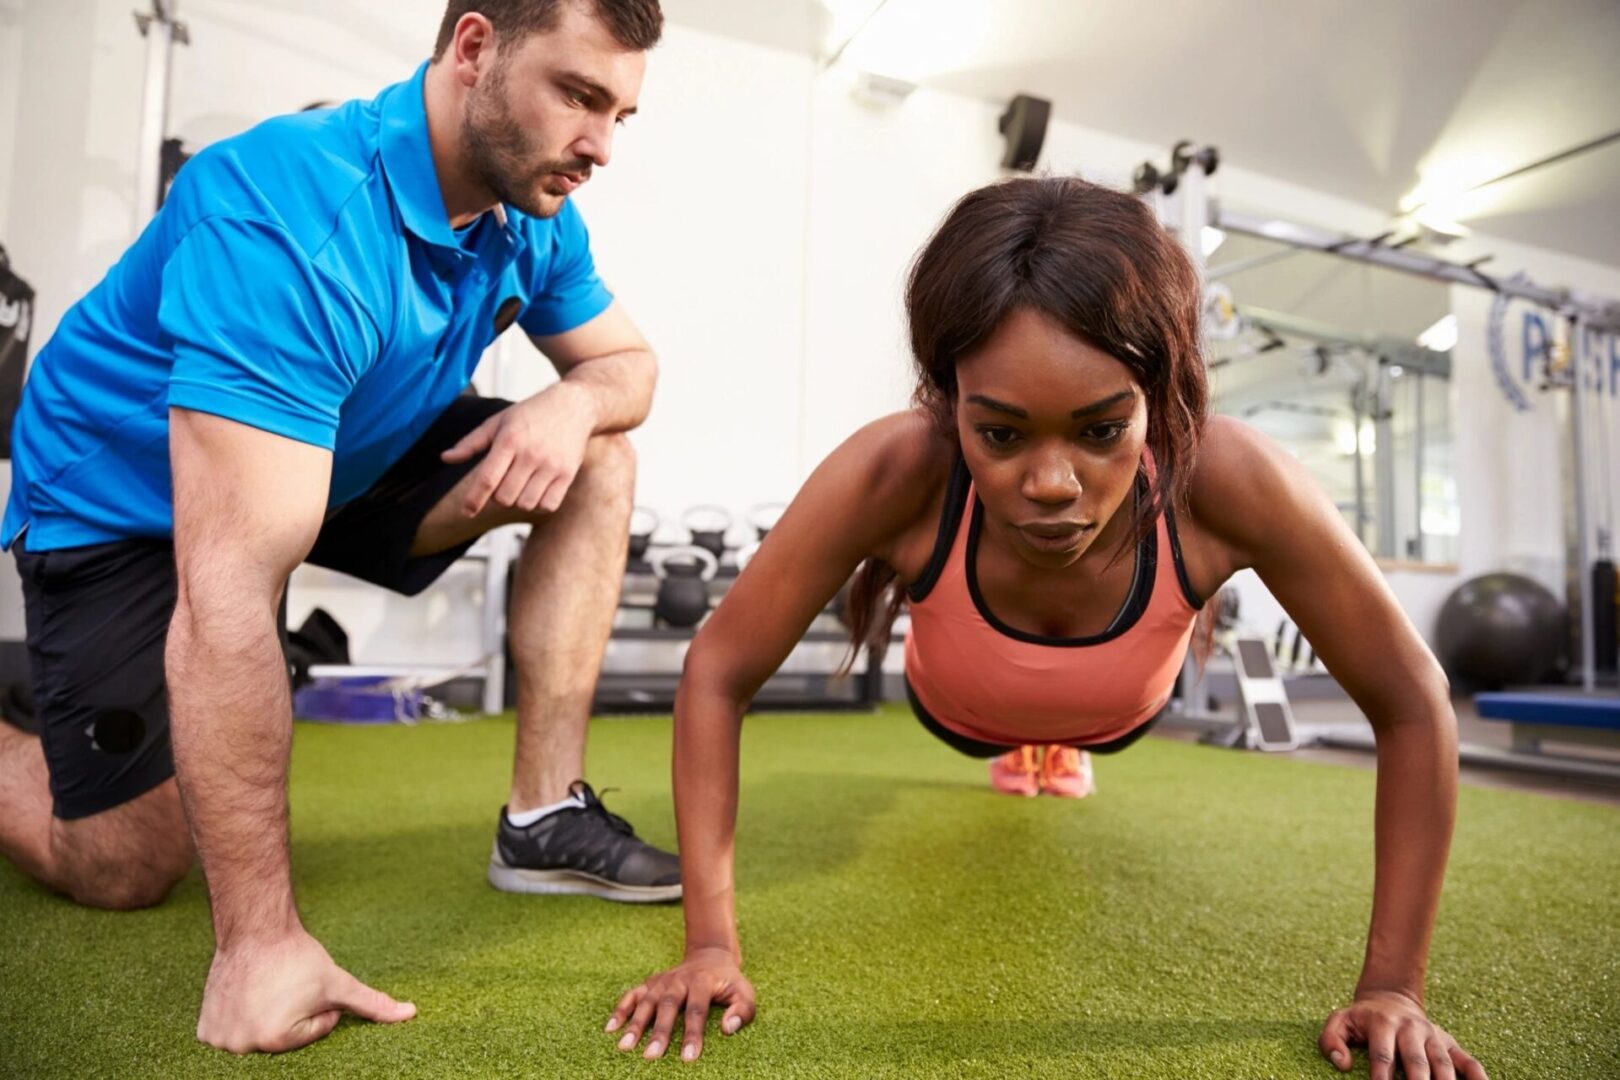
<point x="1323" y="354"/>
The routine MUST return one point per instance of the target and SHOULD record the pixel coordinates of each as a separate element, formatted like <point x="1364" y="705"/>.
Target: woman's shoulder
<point x="908" y="447"/>
<point x="1243" y="487"/>
<point x="900" y="466"/>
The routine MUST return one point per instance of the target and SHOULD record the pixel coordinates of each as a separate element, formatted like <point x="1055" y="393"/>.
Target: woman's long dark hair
<point x="1097" y="262"/>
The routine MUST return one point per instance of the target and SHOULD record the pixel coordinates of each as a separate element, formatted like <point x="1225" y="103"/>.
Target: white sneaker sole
<point x="574" y="883"/>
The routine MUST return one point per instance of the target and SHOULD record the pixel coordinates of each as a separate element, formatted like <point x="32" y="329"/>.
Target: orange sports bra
<point x="987" y="681"/>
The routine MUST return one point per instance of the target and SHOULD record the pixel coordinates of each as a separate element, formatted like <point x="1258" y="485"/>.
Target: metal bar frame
<point x="1583" y="523"/>
<point x="1408" y="354"/>
<point x="1384" y="463"/>
<point x="1586" y="313"/>
<point x="162" y="29"/>
<point x="1420" y="432"/>
<point x="1597" y="312"/>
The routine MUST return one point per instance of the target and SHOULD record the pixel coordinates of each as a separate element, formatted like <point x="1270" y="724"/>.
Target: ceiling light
<point x="1442" y="336"/>
<point x="1344" y="437"/>
<point x="1454" y="190"/>
<point x="1437" y="227"/>
<point x="915" y="40"/>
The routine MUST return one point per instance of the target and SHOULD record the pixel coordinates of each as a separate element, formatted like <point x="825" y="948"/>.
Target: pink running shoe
<point x="1066" y="773"/>
<point x="1017" y="772"/>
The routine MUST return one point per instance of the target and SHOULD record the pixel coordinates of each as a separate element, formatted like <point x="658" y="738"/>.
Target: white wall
<point x="11" y="41"/>
<point x="757" y="221"/>
<point x="67" y="152"/>
<point x="71" y="185"/>
<point x="698" y="225"/>
<point x="1512" y="485"/>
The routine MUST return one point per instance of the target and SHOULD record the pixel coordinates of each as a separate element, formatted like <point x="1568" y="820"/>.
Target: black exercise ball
<point x="1501" y="630"/>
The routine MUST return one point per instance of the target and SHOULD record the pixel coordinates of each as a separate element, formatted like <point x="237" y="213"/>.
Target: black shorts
<point x="97" y="618"/>
<point x="975" y="748"/>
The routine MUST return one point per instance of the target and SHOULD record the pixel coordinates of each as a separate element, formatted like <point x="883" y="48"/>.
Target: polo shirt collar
<point x="407" y="159"/>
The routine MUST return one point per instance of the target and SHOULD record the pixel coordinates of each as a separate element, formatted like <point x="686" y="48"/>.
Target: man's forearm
<point x="231" y="718"/>
<point x="619" y="388"/>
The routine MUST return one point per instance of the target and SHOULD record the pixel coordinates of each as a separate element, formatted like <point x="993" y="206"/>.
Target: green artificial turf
<point x="1197" y="918"/>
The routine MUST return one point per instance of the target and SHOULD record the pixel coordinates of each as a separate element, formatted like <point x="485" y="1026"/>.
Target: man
<point x="271" y="374"/>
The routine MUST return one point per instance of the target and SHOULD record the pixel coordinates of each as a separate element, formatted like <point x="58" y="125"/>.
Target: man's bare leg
<point x="563" y="598"/>
<point x="128" y="857"/>
<point x="25" y="805"/>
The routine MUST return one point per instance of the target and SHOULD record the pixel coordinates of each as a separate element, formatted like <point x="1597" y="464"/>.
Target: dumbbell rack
<point x="643" y="663"/>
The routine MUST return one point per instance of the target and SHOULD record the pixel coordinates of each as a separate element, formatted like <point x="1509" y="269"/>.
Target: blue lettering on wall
<point x="1535" y="346"/>
<point x="1614" y="365"/>
<point x="1596" y="364"/>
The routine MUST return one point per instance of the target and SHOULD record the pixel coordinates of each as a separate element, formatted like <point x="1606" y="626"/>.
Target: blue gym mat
<point x="1567" y="709"/>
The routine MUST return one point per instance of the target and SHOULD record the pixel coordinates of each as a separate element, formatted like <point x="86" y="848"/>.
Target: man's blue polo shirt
<point x="302" y="278"/>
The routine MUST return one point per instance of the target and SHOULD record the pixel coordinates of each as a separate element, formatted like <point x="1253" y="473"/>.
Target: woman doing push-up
<point x="1056" y="507"/>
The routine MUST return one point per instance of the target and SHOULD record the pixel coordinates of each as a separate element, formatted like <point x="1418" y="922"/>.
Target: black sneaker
<point x="586" y="850"/>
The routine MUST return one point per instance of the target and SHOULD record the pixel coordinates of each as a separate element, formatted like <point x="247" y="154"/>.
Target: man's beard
<point x="500" y="152"/>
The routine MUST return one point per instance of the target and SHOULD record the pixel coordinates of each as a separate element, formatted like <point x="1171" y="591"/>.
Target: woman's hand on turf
<point x="705" y="979"/>
<point x="284" y="993"/>
<point x="1394" y="1029"/>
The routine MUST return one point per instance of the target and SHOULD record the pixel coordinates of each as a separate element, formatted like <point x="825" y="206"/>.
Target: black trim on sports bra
<point x="1136" y="601"/>
<point x="979" y="749"/>
<point x="1181" y="569"/>
<point x="950" y="519"/>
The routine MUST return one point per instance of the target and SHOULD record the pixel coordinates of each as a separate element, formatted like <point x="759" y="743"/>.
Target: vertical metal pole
<point x="1194" y="207"/>
<point x="160" y="30"/>
<point x="1194" y="214"/>
<point x="501" y="547"/>
<point x="1583" y="524"/>
<point x="1361" y="483"/>
<point x="1419" y="433"/>
<point x="1384" y="462"/>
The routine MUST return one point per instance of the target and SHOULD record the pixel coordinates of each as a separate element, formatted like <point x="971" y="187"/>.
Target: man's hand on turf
<point x="1394" y="1029"/>
<point x="532" y="450"/>
<point x="706" y="978"/>
<point x="281" y="995"/>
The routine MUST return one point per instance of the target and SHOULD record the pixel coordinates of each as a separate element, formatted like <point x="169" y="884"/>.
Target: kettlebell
<point x="765" y="516"/>
<point x="643" y="523"/>
<point x="683" y="584"/>
<point x="708" y="525"/>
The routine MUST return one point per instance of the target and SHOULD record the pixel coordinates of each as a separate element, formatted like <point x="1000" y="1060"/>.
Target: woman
<point x="1055" y="506"/>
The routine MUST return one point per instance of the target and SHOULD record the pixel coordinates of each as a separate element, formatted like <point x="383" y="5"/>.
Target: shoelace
<point x="1062" y="761"/>
<point x="593" y="805"/>
<point x="1023" y="760"/>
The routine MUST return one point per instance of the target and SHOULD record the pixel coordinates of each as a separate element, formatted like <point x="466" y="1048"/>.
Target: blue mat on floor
<point x="1567" y="709"/>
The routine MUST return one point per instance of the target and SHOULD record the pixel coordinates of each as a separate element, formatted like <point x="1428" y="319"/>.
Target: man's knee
<point x="611" y="459"/>
<point x="129" y="857"/>
<point x="123" y="887"/>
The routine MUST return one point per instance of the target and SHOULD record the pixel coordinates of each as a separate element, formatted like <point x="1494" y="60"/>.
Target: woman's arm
<point x="1261" y="507"/>
<point x="860" y="502"/>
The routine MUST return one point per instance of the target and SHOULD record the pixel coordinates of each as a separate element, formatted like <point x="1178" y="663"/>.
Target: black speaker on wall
<point x="1024" y="125"/>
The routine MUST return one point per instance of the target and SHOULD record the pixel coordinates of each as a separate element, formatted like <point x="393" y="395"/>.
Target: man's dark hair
<point x="635" y="24"/>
